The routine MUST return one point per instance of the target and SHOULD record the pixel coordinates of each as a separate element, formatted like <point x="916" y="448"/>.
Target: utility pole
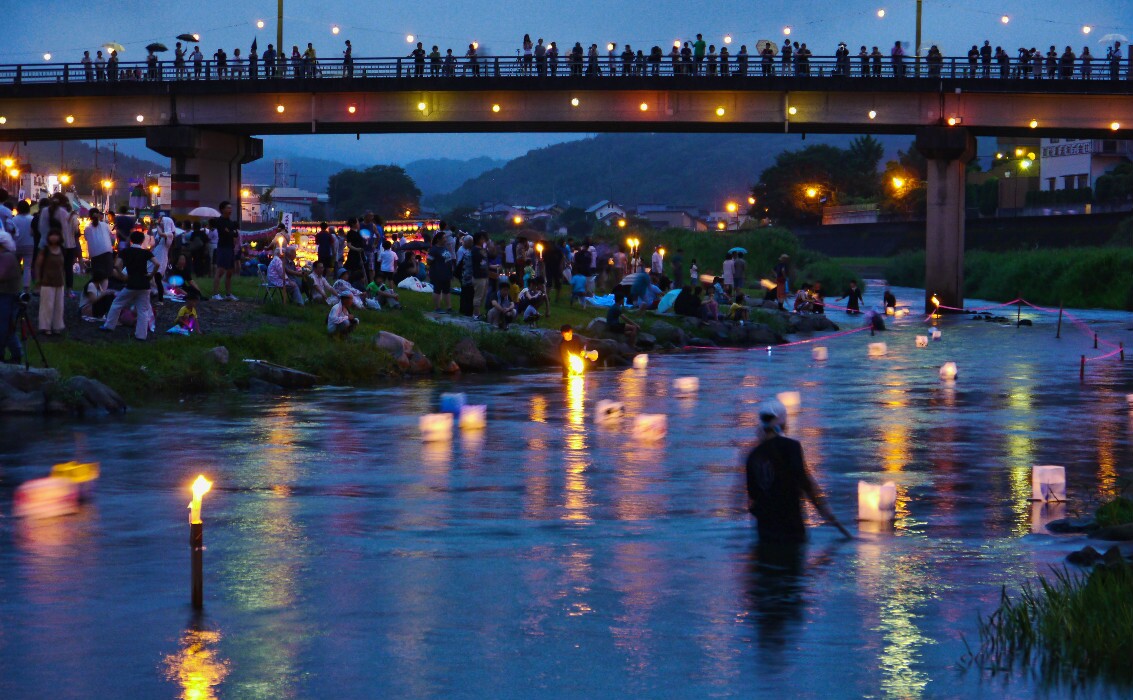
<point x="279" y="27"/>
<point x="918" y="34"/>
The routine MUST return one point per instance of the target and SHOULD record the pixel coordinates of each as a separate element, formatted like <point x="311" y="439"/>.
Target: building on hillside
<point x="662" y="216"/>
<point x="298" y="202"/>
<point x="603" y="211"/>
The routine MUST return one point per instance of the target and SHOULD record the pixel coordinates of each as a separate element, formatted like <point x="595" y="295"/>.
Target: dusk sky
<point x="499" y="25"/>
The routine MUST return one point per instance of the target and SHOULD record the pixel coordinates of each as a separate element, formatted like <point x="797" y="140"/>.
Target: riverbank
<point x="388" y="345"/>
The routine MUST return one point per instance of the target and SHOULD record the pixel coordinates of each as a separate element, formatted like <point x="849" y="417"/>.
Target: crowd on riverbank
<point x="540" y="58"/>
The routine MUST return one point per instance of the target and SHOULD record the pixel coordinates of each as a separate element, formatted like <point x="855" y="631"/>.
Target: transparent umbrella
<point x="114" y="46"/>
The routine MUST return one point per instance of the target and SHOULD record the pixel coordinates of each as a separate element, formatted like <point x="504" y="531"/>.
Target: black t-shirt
<point x="777" y="480"/>
<point x="185" y="273"/>
<point x="567" y="348"/>
<point x="136" y="261"/>
<point x="440" y="270"/>
<point x="354" y="257"/>
<point x="581" y="262"/>
<point x="479" y="263"/>
<point x="324" y="240"/>
<point x="226" y="233"/>
<point x="686" y="304"/>
<point x="553" y="261"/>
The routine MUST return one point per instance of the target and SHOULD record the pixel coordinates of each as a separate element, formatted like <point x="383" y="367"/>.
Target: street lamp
<point x="621" y="223"/>
<point x="898" y="183"/>
<point x="732" y="207"/>
<point x="811" y="192"/>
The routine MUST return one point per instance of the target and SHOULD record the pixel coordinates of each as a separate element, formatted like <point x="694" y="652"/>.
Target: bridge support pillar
<point x="947" y="150"/>
<point x="206" y="164"/>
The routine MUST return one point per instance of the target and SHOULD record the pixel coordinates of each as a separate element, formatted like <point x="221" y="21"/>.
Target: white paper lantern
<point x="877" y="349"/>
<point x="46" y="498"/>
<point x="877" y="503"/>
<point x="791" y="400"/>
<point x="640" y="361"/>
<point x="436" y="427"/>
<point x="1043" y="514"/>
<point x="935" y="334"/>
<point x="1048" y="483"/>
<point x="922" y="341"/>
<point x="609" y="411"/>
<point x="948" y="371"/>
<point x="819" y="354"/>
<point x="686" y="386"/>
<point x="650" y="427"/>
<point x="473" y="417"/>
<point x="452" y="403"/>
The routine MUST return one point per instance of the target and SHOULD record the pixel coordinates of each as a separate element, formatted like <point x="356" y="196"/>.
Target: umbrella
<point x="762" y="43"/>
<point x="738" y="250"/>
<point x="205" y="212"/>
<point x="187" y="37"/>
<point x="114" y="46"/>
<point x="156" y="47"/>
<point x="254" y="45"/>
<point x="1112" y="37"/>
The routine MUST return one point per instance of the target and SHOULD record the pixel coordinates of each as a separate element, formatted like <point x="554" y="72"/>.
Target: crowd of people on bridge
<point x="691" y="58"/>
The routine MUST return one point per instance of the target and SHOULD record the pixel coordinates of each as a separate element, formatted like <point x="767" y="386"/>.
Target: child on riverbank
<point x="49" y="269"/>
<point x="187" y="322"/>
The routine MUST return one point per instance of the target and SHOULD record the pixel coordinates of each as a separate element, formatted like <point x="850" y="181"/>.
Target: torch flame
<point x="200" y="487"/>
<point x="935" y="301"/>
<point x="577" y="366"/>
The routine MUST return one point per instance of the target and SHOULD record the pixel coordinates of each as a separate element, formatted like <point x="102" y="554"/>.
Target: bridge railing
<point x="1097" y="70"/>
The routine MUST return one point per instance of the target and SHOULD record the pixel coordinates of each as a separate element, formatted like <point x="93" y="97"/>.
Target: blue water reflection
<point x="553" y="556"/>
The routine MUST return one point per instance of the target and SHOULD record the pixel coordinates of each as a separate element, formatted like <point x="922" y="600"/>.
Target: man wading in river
<point x="777" y="480"/>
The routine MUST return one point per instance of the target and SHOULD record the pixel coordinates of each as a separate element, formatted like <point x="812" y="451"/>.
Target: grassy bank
<point x="764" y="246"/>
<point x="1076" y="277"/>
<point x="1069" y="627"/>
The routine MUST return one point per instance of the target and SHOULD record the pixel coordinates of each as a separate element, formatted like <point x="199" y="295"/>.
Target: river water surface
<point x="550" y="556"/>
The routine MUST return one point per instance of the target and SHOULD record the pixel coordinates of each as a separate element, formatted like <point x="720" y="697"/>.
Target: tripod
<point x="24" y="325"/>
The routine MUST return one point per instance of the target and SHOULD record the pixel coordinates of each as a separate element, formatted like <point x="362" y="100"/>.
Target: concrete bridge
<point x="206" y="125"/>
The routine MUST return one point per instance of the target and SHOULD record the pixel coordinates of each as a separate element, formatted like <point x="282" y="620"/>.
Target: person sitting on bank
<point x="97" y="297"/>
<point x="319" y="289"/>
<point x="802" y="299"/>
<point x="383" y="296"/>
<point x="502" y="310"/>
<point x="342" y="284"/>
<point x="530" y="299"/>
<point x="340" y="322"/>
<point x="187" y="322"/>
<point x="778" y="479"/>
<point x="738" y="311"/>
<point x="616" y="323"/>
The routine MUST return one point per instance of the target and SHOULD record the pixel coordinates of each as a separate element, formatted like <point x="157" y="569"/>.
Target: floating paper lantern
<point x="819" y="354"/>
<point x="473" y="417"/>
<point x="650" y="426"/>
<point x="935" y="334"/>
<point x="877" y="503"/>
<point x="46" y="498"/>
<point x="948" y="371"/>
<point x="609" y="411"/>
<point x="922" y="341"/>
<point x="436" y="427"/>
<point x="81" y="474"/>
<point x="640" y="361"/>
<point x="877" y="349"/>
<point x="1043" y="514"/>
<point x="791" y="400"/>
<point x="452" y="403"/>
<point x="686" y="386"/>
<point x="1048" y="483"/>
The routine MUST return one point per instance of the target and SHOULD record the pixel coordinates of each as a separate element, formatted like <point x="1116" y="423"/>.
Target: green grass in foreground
<point x="1070" y="627"/>
<point x="292" y="336"/>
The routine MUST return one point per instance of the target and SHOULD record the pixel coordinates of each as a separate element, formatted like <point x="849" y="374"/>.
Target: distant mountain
<point x="47" y="157"/>
<point x="436" y="176"/>
<point x="701" y="170"/>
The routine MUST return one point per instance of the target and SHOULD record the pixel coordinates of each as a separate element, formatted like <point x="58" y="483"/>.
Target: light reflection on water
<point x="549" y="555"/>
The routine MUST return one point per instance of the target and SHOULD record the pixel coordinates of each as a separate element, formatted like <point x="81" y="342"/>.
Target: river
<point x="550" y="556"/>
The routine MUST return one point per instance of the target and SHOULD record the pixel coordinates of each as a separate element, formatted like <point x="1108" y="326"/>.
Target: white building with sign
<point x="1072" y="164"/>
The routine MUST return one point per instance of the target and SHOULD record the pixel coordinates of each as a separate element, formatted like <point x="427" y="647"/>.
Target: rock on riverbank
<point x="43" y="391"/>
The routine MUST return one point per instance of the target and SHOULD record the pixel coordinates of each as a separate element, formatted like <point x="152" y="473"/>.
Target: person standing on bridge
<point x="88" y="72"/>
<point x="897" y="54"/>
<point x="540" y="59"/>
<point x="1087" y="63"/>
<point x="179" y="72"/>
<point x="198" y="61"/>
<point x="253" y="62"/>
<point x="1066" y="64"/>
<point x="553" y="59"/>
<point x="237" y="65"/>
<point x="528" y="56"/>
<point x="435" y="62"/>
<point x="1052" y="63"/>
<point x="269" y="61"/>
<point x="1113" y="57"/>
<point x="985" y="58"/>
<point x="99" y="67"/>
<point x="112" y="67"/>
<point x="698" y="51"/>
<point x="767" y="60"/>
<point x="973" y="60"/>
<point x="788" y="59"/>
<point x="418" y="55"/>
<point x="311" y="60"/>
<point x="472" y="62"/>
<point x="686" y="59"/>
